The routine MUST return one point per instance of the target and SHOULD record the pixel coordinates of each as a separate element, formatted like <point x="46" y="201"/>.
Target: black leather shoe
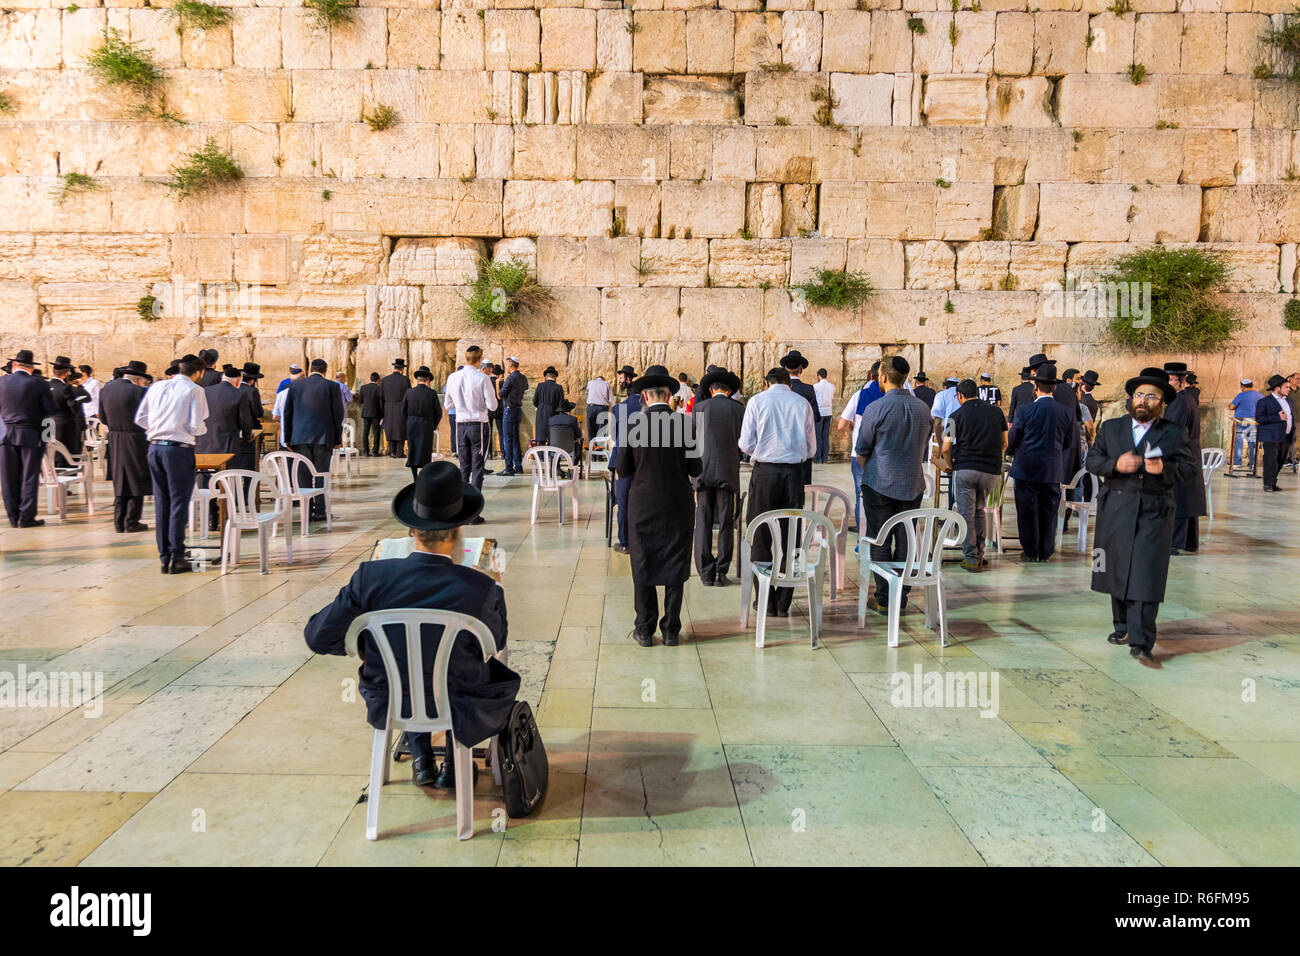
<point x="446" y="779"/>
<point x="32" y="523"/>
<point x="645" y="640"/>
<point x="166" y="567"/>
<point x="874" y="605"/>
<point x="672" y="640"/>
<point x="180" y="568"/>
<point x="1117" y="638"/>
<point x="424" y="772"/>
<point x="620" y="548"/>
<point x="721" y="581"/>
<point x="1144" y="656"/>
<point x="708" y="582"/>
<point x="133" y="528"/>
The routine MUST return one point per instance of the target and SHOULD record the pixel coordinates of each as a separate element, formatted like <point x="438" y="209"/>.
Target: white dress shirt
<point x="1140" y="430"/>
<point x="825" y="392"/>
<point x="277" y="412"/>
<point x="778" y="427"/>
<point x="92" y="387"/>
<point x="470" y="392"/>
<point x="599" y="393"/>
<point x="174" y="409"/>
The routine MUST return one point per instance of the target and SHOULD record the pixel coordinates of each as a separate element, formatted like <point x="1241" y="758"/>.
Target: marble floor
<point x="221" y="739"/>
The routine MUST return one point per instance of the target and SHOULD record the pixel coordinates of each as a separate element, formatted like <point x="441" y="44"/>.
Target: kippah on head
<point x="318" y="365"/>
<point x="899" y="364"/>
<point x="966" y="388"/>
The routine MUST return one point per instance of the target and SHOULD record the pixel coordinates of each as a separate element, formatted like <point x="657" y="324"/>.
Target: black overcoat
<point x="546" y="399"/>
<point x="1186" y="411"/>
<point x="128" y="449"/>
<point x="1072" y="455"/>
<point x="717" y="429"/>
<point x="372" y="400"/>
<point x="395" y="385"/>
<point x="422" y="411"/>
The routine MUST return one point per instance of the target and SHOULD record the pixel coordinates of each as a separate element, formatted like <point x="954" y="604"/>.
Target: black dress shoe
<point x="424" y="771"/>
<point x="166" y="567"/>
<point x="180" y="567"/>
<point x="620" y="548"/>
<point x="32" y="523"/>
<point x="708" y="582"/>
<point x="672" y="640"/>
<point x="1144" y="656"/>
<point x="133" y="528"/>
<point x="446" y="779"/>
<point x="1117" y="638"/>
<point x="721" y="581"/>
<point x="645" y="640"/>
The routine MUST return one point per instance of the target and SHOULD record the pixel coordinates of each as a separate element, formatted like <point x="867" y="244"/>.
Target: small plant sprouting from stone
<point x="617" y="229"/>
<point x="119" y="62"/>
<point x="370" y="64"/>
<point x="746" y="234"/>
<point x="331" y="13"/>
<point x="916" y="25"/>
<point x="1291" y="314"/>
<point x="466" y="178"/>
<point x="948" y="306"/>
<point x="943" y="183"/>
<point x="1078" y="136"/>
<point x="780" y="121"/>
<point x="1137" y="73"/>
<point x="208" y="168"/>
<point x="1120" y="7"/>
<point x="278" y="160"/>
<point x="643" y="268"/>
<point x="326" y="195"/>
<point x="7" y="103"/>
<point x="632" y="26"/>
<point x="1089" y="40"/>
<point x="1009" y="283"/>
<point x="491" y="115"/>
<point x="1286" y="41"/>
<point x="197" y="15"/>
<point x="1187" y="312"/>
<point x="856" y="148"/>
<point x="75" y="183"/>
<point x="836" y="289"/>
<point x="1263" y="71"/>
<point x="503" y="289"/>
<point x="72" y="8"/>
<point x="765" y="285"/>
<point x="986" y="234"/>
<point x="776" y="67"/>
<point x="147" y="308"/>
<point x="380" y="118"/>
<point x="826" y="103"/>
<point x="953" y="33"/>
<point x="1161" y="124"/>
<point x="1290" y="175"/>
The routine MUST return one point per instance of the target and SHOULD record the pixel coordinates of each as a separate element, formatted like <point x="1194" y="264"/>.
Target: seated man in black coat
<point x="481" y="693"/>
<point x="565" y="432"/>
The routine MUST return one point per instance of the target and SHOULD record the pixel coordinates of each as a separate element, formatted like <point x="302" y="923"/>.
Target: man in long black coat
<point x="660" y="459"/>
<point x="546" y="399"/>
<point x="1022" y="394"/>
<point x="422" y="411"/>
<point x="65" y="408"/>
<point x="128" y="449"/>
<point x="794" y="363"/>
<point x="1189" y="496"/>
<point x="313" y="421"/>
<point x="717" y="429"/>
<point x="251" y="375"/>
<point x="372" y="413"/>
<point x="395" y="386"/>
<point x="211" y="375"/>
<point x="1141" y="458"/>
<point x="25" y="407"/>
<point x="1037" y="439"/>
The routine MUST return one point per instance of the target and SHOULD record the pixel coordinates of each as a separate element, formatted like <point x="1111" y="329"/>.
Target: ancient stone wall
<point x="963" y="159"/>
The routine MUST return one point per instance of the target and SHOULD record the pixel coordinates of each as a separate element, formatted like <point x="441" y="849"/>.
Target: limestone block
<point x="733" y="153"/>
<point x="789" y="96"/>
<point x="568" y="39"/>
<point x="1277" y="103"/>
<point x="637" y="313"/>
<point x="702" y="210"/>
<point x="659" y="43"/>
<point x="738" y="262"/>
<point x="17" y="256"/>
<point x="932" y="50"/>
<point x="1021" y="102"/>
<point x="393" y="311"/>
<point x="981" y="265"/>
<point x="758" y="40"/>
<point x="963" y="211"/>
<point x="261" y="259"/>
<point x="727" y="355"/>
<point x="832" y="153"/>
<point x="153" y="30"/>
<point x="511" y="39"/>
<point x="798" y="209"/>
<point x="621" y="152"/>
<point x="208" y="49"/>
<point x="1060" y="43"/>
<point x="637" y="203"/>
<point x="1251" y="213"/>
<point x="255" y="96"/>
<point x="1165" y="214"/>
<point x="454" y="96"/>
<point x="195" y="95"/>
<point x="842" y="211"/>
<point x="863" y="99"/>
<point x="988" y="316"/>
<point x="81" y="35"/>
<point x="711" y="314"/>
<point x="1088" y="261"/>
<point x="953" y="100"/>
<point x="1254" y="266"/>
<point x="763" y="210"/>
<point x="1034" y="264"/>
<point x="1287" y="269"/>
<point x="1111" y="50"/>
<point x="1150" y="155"/>
<point x="846" y="41"/>
<point x="891" y="42"/>
<point x="1265" y="155"/>
<point x="929" y="265"/>
<point x="1013" y="54"/>
<point x="674" y="262"/>
<point x="323" y="313"/>
<point x="811" y="256"/>
<point x="89" y="308"/>
<point x="455" y="260"/>
<point x="304" y="45"/>
<point x="690" y="99"/>
<point x="998" y="154"/>
<point x="1205" y="38"/>
<point x="336" y="260"/>
<point x="324" y="96"/>
<point x="561" y="261"/>
<point x="614" y="41"/>
<point x="461" y="41"/>
<point x="787" y="318"/>
<point x="1216" y="102"/>
<point x="1157" y="42"/>
<point x="615" y="98"/>
<point x="364" y="44"/>
<point x="784" y="154"/>
<point x="1245" y="50"/>
<point x="139" y="206"/>
<point x="690" y="151"/>
<point x="59" y="257"/>
<point x="801" y="40"/>
<point x="973" y="52"/>
<point x="494" y="147"/>
<point x="1107" y="99"/>
<point x="1087" y="212"/>
<point x="557" y="208"/>
<point x="881" y="259"/>
<point x="1015" y="211"/>
<point x="204" y="258"/>
<point x="613" y="262"/>
<point x="508" y="97"/>
<point x="710" y="41"/>
<point x="545" y="152"/>
<point x="912" y="316"/>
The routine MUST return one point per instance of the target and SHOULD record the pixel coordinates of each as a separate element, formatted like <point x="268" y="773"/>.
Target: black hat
<point x="319" y="365"/>
<point x="25" y="357"/>
<point x="61" y="362"/>
<point x="627" y="370"/>
<point x="1274" y="381"/>
<point x="207" y="356"/>
<point x="550" y="370"/>
<point x="567" y="406"/>
<point x="1090" y="377"/>
<point x="1176" y="368"/>
<point x="230" y="371"/>
<point x="920" y="377"/>
<point x="898" y="364"/>
<point x="1045" y="374"/>
<point x="187" y="357"/>
<point x="438" y="499"/>
<point x="1038" y="359"/>
<point x="399" y="363"/>
<point x="135" y="367"/>
<point x="423" y="372"/>
<point x="656" y="376"/>
<point x="1152" y="376"/>
<point x="1191" y="378"/>
<point x="252" y="370"/>
<point x="1026" y="372"/>
<point x="174" y="368"/>
<point x="794" y="361"/>
<point x="720" y="376"/>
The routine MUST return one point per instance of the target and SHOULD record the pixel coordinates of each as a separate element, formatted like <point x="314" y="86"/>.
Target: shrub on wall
<point x="195" y="14"/>
<point x="1286" y="41"/>
<point x="331" y="13"/>
<point x="119" y="62"/>
<point x="835" y="289"/>
<point x="203" y="170"/>
<point x="1291" y="315"/>
<point x="503" y="289"/>
<point x="1188" y="313"/>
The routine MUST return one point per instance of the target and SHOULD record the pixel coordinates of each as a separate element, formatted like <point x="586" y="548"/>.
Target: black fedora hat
<point x="24" y="357"/>
<point x="252" y="370"/>
<point x="550" y="370"/>
<point x="656" y="376"/>
<point x="135" y="367"/>
<point x="231" y="371"/>
<point x="1090" y="377"/>
<point x="174" y="368"/>
<point x="61" y="362"/>
<point x="1274" y="381"/>
<point x="1176" y="368"/>
<point x="720" y="376"/>
<point x="567" y="406"/>
<point x="1038" y="359"/>
<point x="794" y="361"/>
<point x="438" y="499"/>
<point x="1046" y="374"/>
<point x="627" y="370"/>
<point x="399" y="363"/>
<point x="1152" y="376"/>
<point x="920" y="377"/>
<point x="423" y="373"/>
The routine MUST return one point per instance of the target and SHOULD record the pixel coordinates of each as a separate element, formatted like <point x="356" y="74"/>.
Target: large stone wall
<point x="971" y="164"/>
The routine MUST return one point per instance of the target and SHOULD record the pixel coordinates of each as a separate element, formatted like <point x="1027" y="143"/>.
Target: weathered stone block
<point x="758" y="40"/>
<point x="637" y="203"/>
<point x="640" y="313"/>
<point x="414" y="38"/>
<point x="341" y="260"/>
<point x="568" y="39"/>
<point x="710" y="41"/>
<point x="801" y="40"/>
<point x="561" y="261"/>
<point x="1015" y="212"/>
<point x="846" y="41"/>
<point x="615" y="98"/>
<point x="557" y="208"/>
<point x="973" y="52"/>
<point x="1013" y="53"/>
<point x="659" y="43"/>
<point x="511" y="39"/>
<point x="621" y="152"/>
<point x="365" y="41"/>
<point x="811" y="256"/>
<point x="952" y="100"/>
<point x="1060" y="43"/>
<point x="963" y="211"/>
<point x="1106" y="99"/>
<point x="1258" y="213"/>
<point x="704" y="210"/>
<point x="1157" y="42"/>
<point x="786" y="96"/>
<point x="763" y="210"/>
<point x="454" y="96"/>
<point x="1205" y="38"/>
<point x="737" y="262"/>
<point x="1079" y="211"/>
<point x="1216" y="102"/>
<point x="1111" y="50"/>
<point x="790" y="321"/>
<point x="614" y="40"/>
<point x="1165" y="214"/>
<point x="881" y="259"/>
<point x="546" y="152"/>
<point x="262" y="259"/>
<point x="929" y="265"/>
<point x="891" y="42"/>
<point x="863" y="100"/>
<point x="613" y="262"/>
<point x="733" y="153"/>
<point x="932" y="50"/>
<point x="461" y="39"/>
<point x="712" y="314"/>
<point x="798" y="209"/>
<point x="784" y="155"/>
<point x="1021" y="101"/>
<point x="690" y="99"/>
<point x="674" y="262"/>
<point x="690" y="152"/>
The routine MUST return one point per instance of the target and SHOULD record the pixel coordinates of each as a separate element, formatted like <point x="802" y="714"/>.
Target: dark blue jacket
<point x="620" y="414"/>
<point x="313" y="412"/>
<point x="1268" y="413"/>
<point x="25" y="404"/>
<point x="1037" y="438"/>
<point x="481" y="692"/>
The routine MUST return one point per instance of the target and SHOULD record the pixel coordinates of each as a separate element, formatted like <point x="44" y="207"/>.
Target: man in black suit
<point x="717" y="431"/>
<point x="1141" y="458"/>
<point x="251" y="374"/>
<point x="922" y="390"/>
<point x="65" y="398"/>
<point x="26" y="407"/>
<point x="395" y="385"/>
<point x="423" y="412"/>
<point x="229" y="427"/>
<point x="1037" y="439"/>
<point x="794" y="363"/>
<point x="211" y="376"/>
<point x="565" y="431"/>
<point x="546" y="399"/>
<point x="128" y="449"/>
<point x="1276" y="427"/>
<point x="1022" y="394"/>
<point x="434" y="507"/>
<point x="313" y="421"/>
<point x="511" y="403"/>
<point x="372" y="414"/>
<point x="1189" y="495"/>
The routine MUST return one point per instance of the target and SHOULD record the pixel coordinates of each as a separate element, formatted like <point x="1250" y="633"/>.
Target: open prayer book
<point x="480" y="553"/>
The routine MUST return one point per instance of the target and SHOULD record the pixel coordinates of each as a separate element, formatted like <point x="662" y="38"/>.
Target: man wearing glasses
<point x="1141" y="458"/>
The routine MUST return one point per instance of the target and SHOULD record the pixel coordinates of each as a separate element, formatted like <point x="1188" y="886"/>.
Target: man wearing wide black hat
<point x="566" y="431"/>
<point x="434" y="507"/>
<point x="1189" y="496"/>
<point x="1090" y="380"/>
<point x="1140" y="458"/>
<point x="922" y="390"/>
<point x="395" y="386"/>
<point x="619" y="418"/>
<point x="794" y="363"/>
<point x="25" y="407"/>
<point x="1038" y="439"/>
<point x="65" y="410"/>
<point x="423" y="413"/>
<point x="128" y="448"/>
<point x="1022" y="394"/>
<point x="372" y="412"/>
<point x="658" y="454"/>
<point x="718" y="420"/>
<point x="1276" y="425"/>
<point x="546" y="399"/>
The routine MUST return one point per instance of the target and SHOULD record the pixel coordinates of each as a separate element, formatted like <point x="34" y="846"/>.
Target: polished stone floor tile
<point x="1163" y="833"/>
<point x="60" y="829"/>
<point x="651" y="677"/>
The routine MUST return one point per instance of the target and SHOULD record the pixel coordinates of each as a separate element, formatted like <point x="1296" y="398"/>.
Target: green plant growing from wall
<point x="835" y="289"/>
<point x="72" y="184"/>
<point x="147" y="308"/>
<point x="380" y="118"/>
<point x="1286" y="41"/>
<point x="197" y="15"/>
<point x="827" y="102"/>
<point x="916" y="25"/>
<point x="1291" y="315"/>
<point x="1187" y="310"/>
<point x="205" y="169"/>
<point x="119" y="62"/>
<point x="1137" y="73"/>
<point x="331" y="13"/>
<point x="7" y="103"/>
<point x="503" y="290"/>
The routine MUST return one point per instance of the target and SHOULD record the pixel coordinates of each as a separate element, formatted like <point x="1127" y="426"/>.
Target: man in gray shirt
<point x="893" y="444"/>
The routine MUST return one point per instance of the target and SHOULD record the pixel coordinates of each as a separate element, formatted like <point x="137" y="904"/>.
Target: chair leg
<point x="559" y="497"/>
<point x="895" y="608"/>
<point x="746" y="589"/>
<point x="942" y="603"/>
<point x="814" y="595"/>
<point x="533" y="519"/>
<point x="225" y="547"/>
<point x="1060" y="529"/>
<point x="288" y="538"/>
<point x="760" y="631"/>
<point x="378" y="757"/>
<point x="1083" y="530"/>
<point x="263" y="548"/>
<point x="929" y="608"/>
<point x="864" y="588"/>
<point x="464" y="762"/>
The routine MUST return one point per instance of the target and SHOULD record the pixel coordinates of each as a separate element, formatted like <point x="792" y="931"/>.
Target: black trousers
<point x="714" y="504"/>
<point x="1271" y="454"/>
<point x="878" y="509"/>
<point x="172" y="469"/>
<point x="371" y="426"/>
<point x="20" y="475"/>
<point x="1187" y="532"/>
<point x="320" y="457"/>
<point x="471" y="448"/>
<point x="773" y="486"/>
<point x="647" y="608"/>
<point x="1036" y="506"/>
<point x="621" y="486"/>
<point x="1137" y="619"/>
<point x="126" y="511"/>
<point x="597" y="416"/>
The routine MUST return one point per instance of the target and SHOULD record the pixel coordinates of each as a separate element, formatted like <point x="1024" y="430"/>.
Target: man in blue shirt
<point x="851" y="417"/>
<point x="1243" y="406"/>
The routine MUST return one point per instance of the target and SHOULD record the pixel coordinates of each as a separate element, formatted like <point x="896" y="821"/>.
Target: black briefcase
<point x="524" y="770"/>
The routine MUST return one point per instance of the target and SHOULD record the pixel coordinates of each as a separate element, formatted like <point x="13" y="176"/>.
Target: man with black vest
<point x="512" y="403"/>
<point x="372" y="414"/>
<point x="794" y="363"/>
<point x="395" y="386"/>
<point x="25" y="407"/>
<point x="313" y="422"/>
<point x="718" y="420"/>
<point x="1038" y="438"/>
<point x="128" y="449"/>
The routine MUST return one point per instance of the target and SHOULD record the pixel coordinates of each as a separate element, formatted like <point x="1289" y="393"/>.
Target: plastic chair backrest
<point x="349" y="433"/>
<point x="284" y="467"/>
<point x="546" y="461"/>
<point x="928" y="531"/>
<point x="239" y="487"/>
<point x="831" y="496"/>
<point x="1090" y="482"/>
<point x="1211" y="458"/>
<point x="601" y="445"/>
<point x="804" y="526"/>
<point x="411" y="620"/>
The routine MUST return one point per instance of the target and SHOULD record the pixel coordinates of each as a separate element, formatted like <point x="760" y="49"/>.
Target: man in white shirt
<point x="173" y="414"/>
<point x="600" y="399"/>
<point x="684" y="391"/>
<point x="779" y="434"/>
<point x="470" y="392"/>
<point x="825" y="392"/>
<point x="92" y="386"/>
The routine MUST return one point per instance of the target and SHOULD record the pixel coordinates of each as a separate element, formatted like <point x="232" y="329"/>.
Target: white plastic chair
<point x="239" y="487"/>
<point x="58" y="480"/>
<point x="823" y="498"/>
<point x="95" y="438"/>
<point x="284" y="467"/>
<point x="546" y="461"/>
<point x="601" y="447"/>
<point x="928" y="531"/>
<point x="1211" y="460"/>
<point x="993" y="510"/>
<point x="804" y="565"/>
<point x="1083" y="509"/>
<point x="421" y="720"/>
<point x="347" y="453"/>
